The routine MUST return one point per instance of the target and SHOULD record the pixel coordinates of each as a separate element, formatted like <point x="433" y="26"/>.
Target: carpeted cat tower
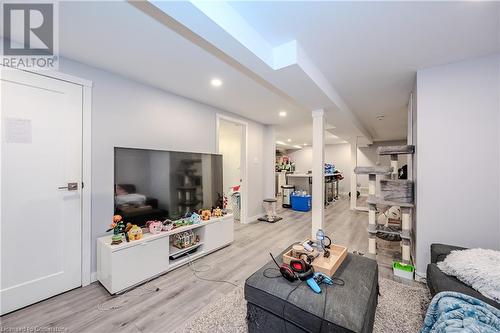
<point x="393" y="192"/>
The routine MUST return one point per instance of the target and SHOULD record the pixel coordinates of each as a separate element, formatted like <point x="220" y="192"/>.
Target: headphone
<point x="297" y="270"/>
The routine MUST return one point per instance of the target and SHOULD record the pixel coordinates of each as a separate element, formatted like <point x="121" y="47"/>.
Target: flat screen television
<point x="159" y="185"/>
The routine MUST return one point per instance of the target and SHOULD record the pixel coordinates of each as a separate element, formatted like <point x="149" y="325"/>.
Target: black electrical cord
<point x="286" y="301"/>
<point x="272" y="276"/>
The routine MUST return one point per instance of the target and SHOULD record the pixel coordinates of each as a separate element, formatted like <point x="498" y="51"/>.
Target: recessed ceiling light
<point x="280" y="143"/>
<point x="282" y="113"/>
<point x="216" y="82"/>
<point x="289" y="140"/>
<point x="305" y="144"/>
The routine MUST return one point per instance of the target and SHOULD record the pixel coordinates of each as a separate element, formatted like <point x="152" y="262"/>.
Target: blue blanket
<point x="456" y="312"/>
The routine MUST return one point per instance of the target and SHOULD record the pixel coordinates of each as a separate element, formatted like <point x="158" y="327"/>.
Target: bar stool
<point x="270" y="209"/>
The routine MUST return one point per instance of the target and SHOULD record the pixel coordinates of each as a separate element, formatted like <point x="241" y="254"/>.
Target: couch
<point x="437" y="281"/>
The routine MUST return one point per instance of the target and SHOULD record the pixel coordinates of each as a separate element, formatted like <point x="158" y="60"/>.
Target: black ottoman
<point x="349" y="308"/>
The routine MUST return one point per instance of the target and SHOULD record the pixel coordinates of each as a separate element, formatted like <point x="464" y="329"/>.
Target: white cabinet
<point x="122" y="266"/>
<point x="218" y="234"/>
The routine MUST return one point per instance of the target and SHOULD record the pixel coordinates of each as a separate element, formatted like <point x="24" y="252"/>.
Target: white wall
<point x="269" y="161"/>
<point x="126" y="113"/>
<point x="458" y="153"/>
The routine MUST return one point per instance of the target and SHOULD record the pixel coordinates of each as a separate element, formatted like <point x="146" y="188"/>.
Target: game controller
<point x="322" y="278"/>
<point x="311" y="282"/>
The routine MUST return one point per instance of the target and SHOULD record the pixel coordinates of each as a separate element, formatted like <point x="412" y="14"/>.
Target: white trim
<point x="254" y="218"/>
<point x="87" y="181"/>
<point x="63" y="77"/>
<point x="55" y="75"/>
<point x="420" y="277"/>
<point x="93" y="277"/>
<point x="244" y="186"/>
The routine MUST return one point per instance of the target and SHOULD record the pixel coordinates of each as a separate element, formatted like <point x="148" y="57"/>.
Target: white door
<point x="41" y="153"/>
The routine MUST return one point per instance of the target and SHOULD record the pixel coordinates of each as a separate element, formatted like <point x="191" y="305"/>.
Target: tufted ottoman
<point x="274" y="306"/>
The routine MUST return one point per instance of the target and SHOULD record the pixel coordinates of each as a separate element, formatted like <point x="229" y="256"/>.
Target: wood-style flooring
<point x="180" y="293"/>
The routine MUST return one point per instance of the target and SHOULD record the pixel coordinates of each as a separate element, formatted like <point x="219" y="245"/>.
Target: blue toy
<point x="195" y="218"/>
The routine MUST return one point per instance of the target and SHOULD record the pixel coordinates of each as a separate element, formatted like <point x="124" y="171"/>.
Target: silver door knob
<point x="70" y="187"/>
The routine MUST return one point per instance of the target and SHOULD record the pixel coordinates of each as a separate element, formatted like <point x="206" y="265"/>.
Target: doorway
<point x="232" y="144"/>
<point x="44" y="247"/>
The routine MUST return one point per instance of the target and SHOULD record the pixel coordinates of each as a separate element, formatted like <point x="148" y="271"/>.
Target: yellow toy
<point x="217" y="212"/>
<point x="135" y="233"/>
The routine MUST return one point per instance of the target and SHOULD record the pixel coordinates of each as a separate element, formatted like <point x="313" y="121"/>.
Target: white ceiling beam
<point x="226" y="31"/>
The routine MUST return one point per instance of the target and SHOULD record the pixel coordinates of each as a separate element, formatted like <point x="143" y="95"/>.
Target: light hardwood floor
<point x="180" y="294"/>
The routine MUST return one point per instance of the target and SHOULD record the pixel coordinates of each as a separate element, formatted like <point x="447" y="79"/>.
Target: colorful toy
<point x="182" y="223"/>
<point x="205" y="214"/>
<point x="118" y="227"/>
<point x="155" y="227"/>
<point x="217" y="212"/>
<point x="184" y="239"/>
<point x="135" y="233"/>
<point x="195" y="218"/>
<point x="167" y="225"/>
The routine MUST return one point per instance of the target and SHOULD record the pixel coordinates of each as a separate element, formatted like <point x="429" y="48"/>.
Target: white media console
<point x="122" y="266"/>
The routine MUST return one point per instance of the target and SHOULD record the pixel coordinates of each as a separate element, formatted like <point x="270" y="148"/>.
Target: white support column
<point x="318" y="170"/>
<point x="354" y="177"/>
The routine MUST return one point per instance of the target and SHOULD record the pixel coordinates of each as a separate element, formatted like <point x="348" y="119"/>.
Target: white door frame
<point x="86" y="166"/>
<point x="244" y="164"/>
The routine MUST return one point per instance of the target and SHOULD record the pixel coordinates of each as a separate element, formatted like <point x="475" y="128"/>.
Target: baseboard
<point x="253" y="219"/>
<point x="93" y="277"/>
<point x="420" y="277"/>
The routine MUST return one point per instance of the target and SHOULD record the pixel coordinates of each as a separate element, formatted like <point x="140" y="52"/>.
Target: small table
<point x="274" y="306"/>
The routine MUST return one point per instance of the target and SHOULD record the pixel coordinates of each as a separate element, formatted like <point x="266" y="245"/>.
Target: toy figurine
<point x="205" y="214"/>
<point x="135" y="233"/>
<point x="217" y="212"/>
<point x="118" y="227"/>
<point x="167" y="225"/>
<point x="155" y="227"/>
<point x="195" y="218"/>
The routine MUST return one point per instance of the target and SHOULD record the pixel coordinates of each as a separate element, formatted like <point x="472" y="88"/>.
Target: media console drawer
<point x="135" y="264"/>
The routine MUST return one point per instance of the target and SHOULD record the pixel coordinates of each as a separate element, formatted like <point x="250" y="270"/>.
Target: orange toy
<point x="205" y="215"/>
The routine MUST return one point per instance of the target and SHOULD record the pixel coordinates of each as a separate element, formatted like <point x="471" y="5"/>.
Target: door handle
<point x="70" y="187"/>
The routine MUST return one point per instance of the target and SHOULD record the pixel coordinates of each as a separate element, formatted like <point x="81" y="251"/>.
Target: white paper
<point x="17" y="130"/>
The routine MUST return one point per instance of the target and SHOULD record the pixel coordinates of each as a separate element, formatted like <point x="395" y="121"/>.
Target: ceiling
<point x="370" y="51"/>
<point x="124" y="40"/>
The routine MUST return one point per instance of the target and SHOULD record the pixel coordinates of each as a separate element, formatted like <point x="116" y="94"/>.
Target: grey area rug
<point x="401" y="308"/>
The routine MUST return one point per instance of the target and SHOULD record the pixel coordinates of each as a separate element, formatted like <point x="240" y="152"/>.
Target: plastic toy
<point x="217" y="212"/>
<point x="167" y="225"/>
<point x="155" y="227"/>
<point x="195" y="218"/>
<point x="205" y="215"/>
<point x="135" y="233"/>
<point x="118" y="227"/>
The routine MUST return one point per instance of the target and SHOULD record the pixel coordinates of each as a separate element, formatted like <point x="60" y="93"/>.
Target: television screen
<point x="156" y="184"/>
